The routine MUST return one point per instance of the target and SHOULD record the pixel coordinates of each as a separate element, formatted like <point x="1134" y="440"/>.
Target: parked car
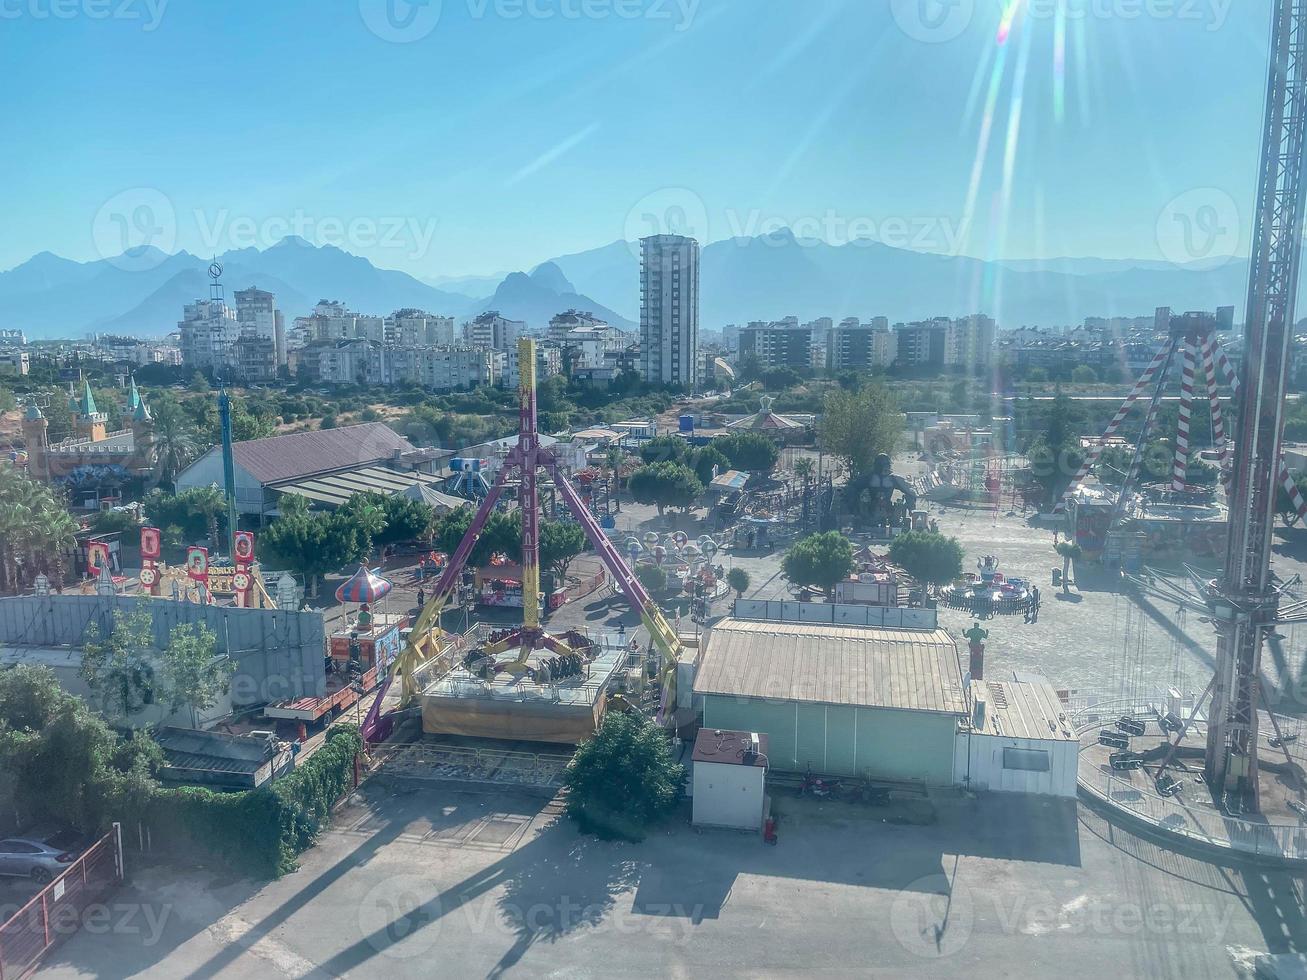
<point x="39" y="855"/>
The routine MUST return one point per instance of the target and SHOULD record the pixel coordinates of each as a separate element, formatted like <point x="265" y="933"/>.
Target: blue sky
<point x="504" y="132"/>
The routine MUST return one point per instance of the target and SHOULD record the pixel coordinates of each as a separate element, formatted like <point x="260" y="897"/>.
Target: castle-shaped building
<point x="91" y="445"/>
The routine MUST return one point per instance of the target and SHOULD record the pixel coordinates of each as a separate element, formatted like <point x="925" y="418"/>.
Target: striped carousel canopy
<point x="363" y="586"/>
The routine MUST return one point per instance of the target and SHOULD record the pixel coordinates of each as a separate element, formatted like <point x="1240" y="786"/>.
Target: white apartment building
<point x="549" y="361"/>
<point x="414" y="328"/>
<point x="257" y="313"/>
<point x="209" y="330"/>
<point x="492" y="331"/>
<point x="969" y="343"/>
<point x="15" y="362"/>
<point x="562" y="324"/>
<point x="669" y="310"/>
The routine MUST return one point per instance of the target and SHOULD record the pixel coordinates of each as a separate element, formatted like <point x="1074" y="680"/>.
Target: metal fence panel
<point x="55" y="912"/>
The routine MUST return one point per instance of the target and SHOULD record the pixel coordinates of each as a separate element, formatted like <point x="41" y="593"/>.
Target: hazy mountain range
<point x="742" y="279"/>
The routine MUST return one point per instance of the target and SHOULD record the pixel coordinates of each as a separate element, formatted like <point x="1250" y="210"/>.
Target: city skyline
<point x="1010" y="134"/>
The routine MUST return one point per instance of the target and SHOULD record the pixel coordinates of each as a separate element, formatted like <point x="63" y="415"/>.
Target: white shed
<point x="730" y="772"/>
<point x="1017" y="740"/>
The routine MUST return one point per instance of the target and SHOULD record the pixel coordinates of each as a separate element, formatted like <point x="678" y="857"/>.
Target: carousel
<point x="371" y="633"/>
<point x="988" y="592"/>
<point x="688" y="564"/>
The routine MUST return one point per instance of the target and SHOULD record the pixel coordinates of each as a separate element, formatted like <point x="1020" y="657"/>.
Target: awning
<point x="730" y="480"/>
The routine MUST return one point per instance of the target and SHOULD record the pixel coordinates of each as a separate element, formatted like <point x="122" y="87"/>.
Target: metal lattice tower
<point x="1244" y="603"/>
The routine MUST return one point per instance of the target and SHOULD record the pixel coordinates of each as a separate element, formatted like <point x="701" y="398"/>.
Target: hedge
<point x="262" y="831"/>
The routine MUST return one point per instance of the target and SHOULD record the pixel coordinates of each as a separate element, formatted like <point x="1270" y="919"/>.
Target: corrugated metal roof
<point x="1022" y="709"/>
<point x="300" y="454"/>
<point x="848" y="665"/>
<point x="336" y="488"/>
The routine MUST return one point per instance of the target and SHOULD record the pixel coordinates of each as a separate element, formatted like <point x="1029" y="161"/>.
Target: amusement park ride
<point x="426" y="642"/>
<point x="1244" y="602"/>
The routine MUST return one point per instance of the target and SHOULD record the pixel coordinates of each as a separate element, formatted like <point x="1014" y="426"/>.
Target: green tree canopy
<point x="702" y="461"/>
<point x="193" y="676"/>
<point x="738" y="579"/>
<point x="652" y="577"/>
<point x="665" y="485"/>
<point x="119" y="667"/>
<point x="931" y="559"/>
<point x="819" y="561"/>
<point x="560" y="542"/>
<point x="664" y="449"/>
<point x="623" y="778"/>
<point x="752" y="452"/>
<point x="856" y="426"/>
<point x="313" y="544"/>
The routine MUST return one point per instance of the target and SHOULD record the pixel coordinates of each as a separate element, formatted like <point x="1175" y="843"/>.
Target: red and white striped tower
<point x="1180" y="470"/>
<point x="1146" y="380"/>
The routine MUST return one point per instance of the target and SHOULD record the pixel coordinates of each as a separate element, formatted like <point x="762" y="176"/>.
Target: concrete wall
<point x="844" y="614"/>
<point x="277" y="654"/>
<point x="841" y="740"/>
<point x="728" y="796"/>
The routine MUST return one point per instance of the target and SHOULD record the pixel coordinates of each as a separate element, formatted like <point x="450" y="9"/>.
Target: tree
<point x="36" y="531"/>
<point x="652" y="577"/>
<point x="560" y="542"/>
<point x="119" y="668"/>
<point x="748" y="451"/>
<point x="613" y="457"/>
<point x="703" y="460"/>
<point x="1084" y="375"/>
<point x="857" y="426"/>
<point x="174" y="441"/>
<point x="197" y="511"/>
<point x="780" y="378"/>
<point x="60" y="762"/>
<point x="623" y="778"/>
<point x="804" y="468"/>
<point x="931" y="559"/>
<point x="313" y="544"/>
<point x="738" y="579"/>
<point x="665" y="485"/>
<point x="1070" y="551"/>
<point x="819" y="561"/>
<point x="664" y="449"/>
<point x="193" y="675"/>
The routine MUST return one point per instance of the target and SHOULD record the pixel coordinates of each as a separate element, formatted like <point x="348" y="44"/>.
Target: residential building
<point x="257" y="313"/>
<point x="783" y="343"/>
<point x="494" y="332"/>
<point x="856" y="346"/>
<point x="549" y="361"/>
<point x="414" y="328"/>
<point x="209" y="330"/>
<point x="669" y="309"/>
<point x="256" y="359"/>
<point x="15" y="362"/>
<point x="564" y="323"/>
<point x="922" y="344"/>
<point x="15" y="337"/>
<point x="969" y="343"/>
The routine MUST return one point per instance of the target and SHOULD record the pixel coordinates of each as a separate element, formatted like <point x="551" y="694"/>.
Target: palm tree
<point x="209" y="503"/>
<point x="803" y="469"/>
<point x="173" y="442"/>
<point x="613" y="457"/>
<point x="35" y="531"/>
